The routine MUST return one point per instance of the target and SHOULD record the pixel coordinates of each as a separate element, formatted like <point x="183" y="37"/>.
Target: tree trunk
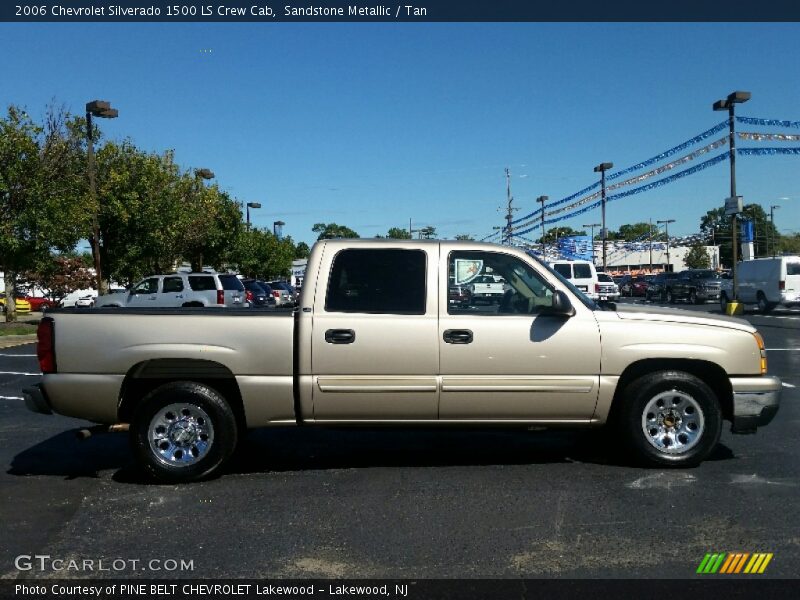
<point x="11" y="296"/>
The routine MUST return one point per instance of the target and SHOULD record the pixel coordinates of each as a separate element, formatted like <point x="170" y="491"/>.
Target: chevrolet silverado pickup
<point x="375" y="341"/>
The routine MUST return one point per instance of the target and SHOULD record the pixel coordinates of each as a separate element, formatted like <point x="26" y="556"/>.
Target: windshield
<point x="588" y="302"/>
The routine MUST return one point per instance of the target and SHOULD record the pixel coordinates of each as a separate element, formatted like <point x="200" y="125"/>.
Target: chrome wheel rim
<point x="180" y="434"/>
<point x="673" y="422"/>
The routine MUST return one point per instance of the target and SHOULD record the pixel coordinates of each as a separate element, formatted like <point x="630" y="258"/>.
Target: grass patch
<point x="16" y="329"/>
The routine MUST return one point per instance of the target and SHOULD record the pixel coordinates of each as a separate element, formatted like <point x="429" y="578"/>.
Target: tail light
<point x="276" y="293"/>
<point x="45" y="346"/>
<point x="220" y="296"/>
<point x="248" y="295"/>
<point x="597" y="287"/>
<point x="781" y="285"/>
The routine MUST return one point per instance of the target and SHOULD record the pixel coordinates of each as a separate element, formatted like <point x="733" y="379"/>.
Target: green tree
<point x="697" y="257"/>
<point x="328" y="231"/>
<point x="41" y="193"/>
<point x="302" y="251"/>
<point x="427" y="233"/>
<point x="559" y="232"/>
<point x="636" y="231"/>
<point x="258" y="253"/>
<point x="398" y="233"/>
<point x="789" y="244"/>
<point x="716" y="227"/>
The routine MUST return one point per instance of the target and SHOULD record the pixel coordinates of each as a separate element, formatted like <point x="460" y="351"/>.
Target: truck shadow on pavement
<point x="292" y="449"/>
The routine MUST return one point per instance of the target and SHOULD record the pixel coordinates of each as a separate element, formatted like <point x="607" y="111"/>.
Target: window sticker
<point x="467" y="269"/>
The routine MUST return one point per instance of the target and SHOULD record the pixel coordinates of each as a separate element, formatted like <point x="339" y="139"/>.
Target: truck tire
<point x="670" y="418"/>
<point x="670" y="297"/>
<point x="693" y="297"/>
<point x="183" y="431"/>
<point x="763" y="305"/>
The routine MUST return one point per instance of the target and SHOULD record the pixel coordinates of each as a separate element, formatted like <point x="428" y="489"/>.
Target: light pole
<point x="592" y="226"/>
<point x="772" y="227"/>
<point x="249" y="206"/>
<point x="728" y="104"/>
<point x="199" y="175"/>
<point x="541" y="200"/>
<point x="666" y="223"/>
<point x="602" y="168"/>
<point x="102" y="109"/>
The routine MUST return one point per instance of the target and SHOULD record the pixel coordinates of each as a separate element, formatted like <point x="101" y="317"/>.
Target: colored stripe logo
<point x="734" y="563"/>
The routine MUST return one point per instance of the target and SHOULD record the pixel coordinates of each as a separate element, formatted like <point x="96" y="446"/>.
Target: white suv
<point x="580" y="273"/>
<point x="181" y="290"/>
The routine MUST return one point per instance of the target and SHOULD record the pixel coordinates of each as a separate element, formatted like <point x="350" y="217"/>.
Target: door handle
<point x="179" y="296"/>
<point x="457" y="336"/>
<point x="340" y="336"/>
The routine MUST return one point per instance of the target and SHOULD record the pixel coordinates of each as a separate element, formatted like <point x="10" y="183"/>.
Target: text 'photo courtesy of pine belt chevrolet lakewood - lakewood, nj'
<point x="380" y="338"/>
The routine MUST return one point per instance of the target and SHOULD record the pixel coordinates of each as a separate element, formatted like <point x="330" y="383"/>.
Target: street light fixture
<point x="728" y="104"/>
<point x="102" y="109"/>
<point x="542" y="200"/>
<point x="592" y="226"/>
<point x="666" y="223"/>
<point x="602" y="168"/>
<point x="277" y="229"/>
<point x="249" y="206"/>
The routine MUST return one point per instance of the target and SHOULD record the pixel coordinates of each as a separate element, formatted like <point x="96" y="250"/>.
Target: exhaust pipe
<point x="86" y="433"/>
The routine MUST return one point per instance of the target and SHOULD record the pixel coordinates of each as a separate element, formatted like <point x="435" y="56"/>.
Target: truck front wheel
<point x="183" y="431"/>
<point x="670" y="418"/>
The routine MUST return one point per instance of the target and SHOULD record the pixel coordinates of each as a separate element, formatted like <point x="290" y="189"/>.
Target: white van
<point x="767" y="282"/>
<point x="581" y="274"/>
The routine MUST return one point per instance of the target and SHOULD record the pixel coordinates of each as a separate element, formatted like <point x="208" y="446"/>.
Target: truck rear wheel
<point x="183" y="431"/>
<point x="670" y="418"/>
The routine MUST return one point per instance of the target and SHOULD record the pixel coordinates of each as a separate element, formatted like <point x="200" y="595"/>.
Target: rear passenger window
<point x="173" y="284"/>
<point x="231" y="282"/>
<point x="792" y="268"/>
<point x="377" y="281"/>
<point x="582" y="271"/>
<point x="202" y="283"/>
<point x="563" y="270"/>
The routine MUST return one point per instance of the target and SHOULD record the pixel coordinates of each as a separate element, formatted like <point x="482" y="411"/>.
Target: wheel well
<point x="146" y="376"/>
<point x="710" y="373"/>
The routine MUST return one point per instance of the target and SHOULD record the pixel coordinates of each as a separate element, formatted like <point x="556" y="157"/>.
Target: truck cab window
<point x="377" y="281"/>
<point x="492" y="283"/>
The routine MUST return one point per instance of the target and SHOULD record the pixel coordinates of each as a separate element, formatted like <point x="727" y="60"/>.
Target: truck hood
<point x="677" y="315"/>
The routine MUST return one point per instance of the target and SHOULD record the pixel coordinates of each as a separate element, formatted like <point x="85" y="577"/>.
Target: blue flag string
<point x="768" y="122"/>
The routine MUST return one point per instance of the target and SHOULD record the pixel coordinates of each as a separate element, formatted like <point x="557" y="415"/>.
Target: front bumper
<point x="36" y="400"/>
<point x="755" y="402"/>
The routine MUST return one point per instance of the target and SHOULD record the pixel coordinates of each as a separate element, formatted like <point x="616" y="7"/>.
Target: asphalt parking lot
<point x="347" y="503"/>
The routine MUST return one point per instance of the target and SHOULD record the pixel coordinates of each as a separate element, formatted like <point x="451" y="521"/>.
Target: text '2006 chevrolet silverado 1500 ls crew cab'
<point x="375" y="341"/>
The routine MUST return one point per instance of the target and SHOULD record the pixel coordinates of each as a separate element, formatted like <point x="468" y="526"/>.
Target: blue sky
<point x="370" y="125"/>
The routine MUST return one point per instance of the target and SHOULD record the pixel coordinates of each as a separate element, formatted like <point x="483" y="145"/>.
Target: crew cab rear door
<point x="374" y="350"/>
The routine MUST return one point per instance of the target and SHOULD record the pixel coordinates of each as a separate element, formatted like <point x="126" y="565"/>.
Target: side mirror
<point x="561" y="306"/>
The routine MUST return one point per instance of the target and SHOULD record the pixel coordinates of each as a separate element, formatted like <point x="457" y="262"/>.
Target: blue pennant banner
<point x="767" y="151"/>
<point x="768" y="122"/>
<point x="695" y="140"/>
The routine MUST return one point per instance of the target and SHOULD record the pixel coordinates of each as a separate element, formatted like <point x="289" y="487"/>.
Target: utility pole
<point x="592" y="226"/>
<point x="666" y="223"/>
<point x="650" y="231"/>
<point x="542" y="200"/>
<point x="602" y="168"/>
<point x="509" y="209"/>
<point x="771" y="239"/>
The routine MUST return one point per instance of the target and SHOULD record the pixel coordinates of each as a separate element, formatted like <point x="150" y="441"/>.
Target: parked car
<point x="181" y="290"/>
<point x="380" y="345"/>
<point x="656" y="288"/>
<point x="282" y="296"/>
<point x="459" y="295"/>
<point x="605" y="288"/>
<point x="40" y="304"/>
<point x="634" y="285"/>
<point x="109" y="298"/>
<point x="486" y="287"/>
<point x="580" y="273"/>
<point x="257" y="295"/>
<point x="72" y="298"/>
<point x="766" y="282"/>
<point x="21" y="305"/>
<point x="283" y="286"/>
<point x="696" y="286"/>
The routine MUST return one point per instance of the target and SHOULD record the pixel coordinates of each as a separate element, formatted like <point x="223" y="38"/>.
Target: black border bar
<point x="388" y="11"/>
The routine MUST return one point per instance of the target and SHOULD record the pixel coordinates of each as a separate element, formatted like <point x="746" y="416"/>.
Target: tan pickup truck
<point x="375" y="341"/>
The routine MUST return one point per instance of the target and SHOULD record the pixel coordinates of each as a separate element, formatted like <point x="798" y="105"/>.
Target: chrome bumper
<point x="755" y="402"/>
<point x="36" y="400"/>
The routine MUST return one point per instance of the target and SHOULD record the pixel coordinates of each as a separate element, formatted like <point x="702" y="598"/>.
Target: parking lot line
<point x="11" y="398"/>
<point x="29" y="355"/>
<point x="787" y="385"/>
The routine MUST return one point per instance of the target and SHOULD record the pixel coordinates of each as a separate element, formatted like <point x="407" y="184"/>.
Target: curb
<point x="9" y="341"/>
